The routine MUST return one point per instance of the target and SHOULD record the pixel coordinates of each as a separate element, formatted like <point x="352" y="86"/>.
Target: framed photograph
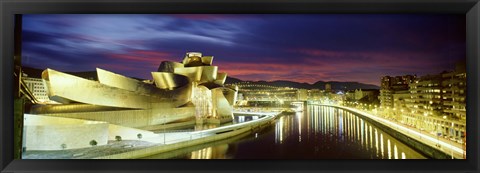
<point x="230" y="86"/>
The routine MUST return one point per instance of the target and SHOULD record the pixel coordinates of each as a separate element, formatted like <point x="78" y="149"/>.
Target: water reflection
<point x="217" y="152"/>
<point x="237" y="119"/>
<point x="317" y="133"/>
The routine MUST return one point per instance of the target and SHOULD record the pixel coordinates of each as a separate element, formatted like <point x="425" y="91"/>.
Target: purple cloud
<point x="303" y="48"/>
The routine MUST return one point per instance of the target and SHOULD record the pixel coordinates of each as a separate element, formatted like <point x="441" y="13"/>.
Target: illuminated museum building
<point x="183" y="93"/>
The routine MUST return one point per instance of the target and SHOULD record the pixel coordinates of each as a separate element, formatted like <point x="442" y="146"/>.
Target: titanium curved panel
<point x="221" y="77"/>
<point x="221" y="105"/>
<point x="210" y="85"/>
<point x="181" y="96"/>
<point x="199" y="74"/>
<point x="166" y="80"/>
<point x="118" y="81"/>
<point x="230" y="95"/>
<point x="207" y="60"/>
<point x="193" y="73"/>
<point x="209" y="74"/>
<point x="168" y="66"/>
<point x="77" y="89"/>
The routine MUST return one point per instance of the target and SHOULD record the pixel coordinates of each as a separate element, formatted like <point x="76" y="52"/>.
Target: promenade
<point x="449" y="147"/>
<point x="173" y="141"/>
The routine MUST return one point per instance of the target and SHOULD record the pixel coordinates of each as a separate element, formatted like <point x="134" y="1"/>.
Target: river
<point x="319" y="132"/>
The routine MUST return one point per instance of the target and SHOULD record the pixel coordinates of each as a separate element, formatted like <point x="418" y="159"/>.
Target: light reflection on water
<point x="237" y="119"/>
<point x="317" y="133"/>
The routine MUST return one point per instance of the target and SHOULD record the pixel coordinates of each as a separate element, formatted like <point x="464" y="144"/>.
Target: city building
<point x="426" y="96"/>
<point x="315" y="94"/>
<point x="433" y="103"/>
<point x="454" y="93"/>
<point x="36" y="86"/>
<point x="390" y="85"/>
<point x="328" y="87"/>
<point x="302" y="94"/>
<point x="359" y="93"/>
<point x="400" y="104"/>
<point x="350" y="96"/>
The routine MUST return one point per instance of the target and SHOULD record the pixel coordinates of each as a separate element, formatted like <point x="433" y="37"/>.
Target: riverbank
<point x="188" y="139"/>
<point x="423" y="143"/>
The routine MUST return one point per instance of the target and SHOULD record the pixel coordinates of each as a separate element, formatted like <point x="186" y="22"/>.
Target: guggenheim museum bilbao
<point x="180" y="94"/>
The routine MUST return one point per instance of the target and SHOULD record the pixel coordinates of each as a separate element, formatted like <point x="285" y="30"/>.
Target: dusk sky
<point x="302" y="48"/>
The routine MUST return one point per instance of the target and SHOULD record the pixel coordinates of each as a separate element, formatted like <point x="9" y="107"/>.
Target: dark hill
<point x="317" y="85"/>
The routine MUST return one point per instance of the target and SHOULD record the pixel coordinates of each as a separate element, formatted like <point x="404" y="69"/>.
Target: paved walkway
<point x="449" y="147"/>
<point x="116" y="147"/>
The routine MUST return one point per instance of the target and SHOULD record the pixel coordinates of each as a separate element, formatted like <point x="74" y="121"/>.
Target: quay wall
<point x="175" y="146"/>
<point x="421" y="147"/>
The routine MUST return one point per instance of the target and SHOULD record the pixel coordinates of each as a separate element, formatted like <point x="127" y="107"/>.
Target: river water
<point x="319" y="132"/>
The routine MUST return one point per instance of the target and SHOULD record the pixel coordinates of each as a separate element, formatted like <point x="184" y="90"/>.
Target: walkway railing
<point x="268" y="116"/>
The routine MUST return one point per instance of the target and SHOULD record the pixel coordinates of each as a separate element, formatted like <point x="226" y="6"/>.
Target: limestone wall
<point x="49" y="133"/>
<point x="127" y="133"/>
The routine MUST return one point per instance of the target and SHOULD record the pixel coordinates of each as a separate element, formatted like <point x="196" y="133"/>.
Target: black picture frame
<point x="8" y="9"/>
